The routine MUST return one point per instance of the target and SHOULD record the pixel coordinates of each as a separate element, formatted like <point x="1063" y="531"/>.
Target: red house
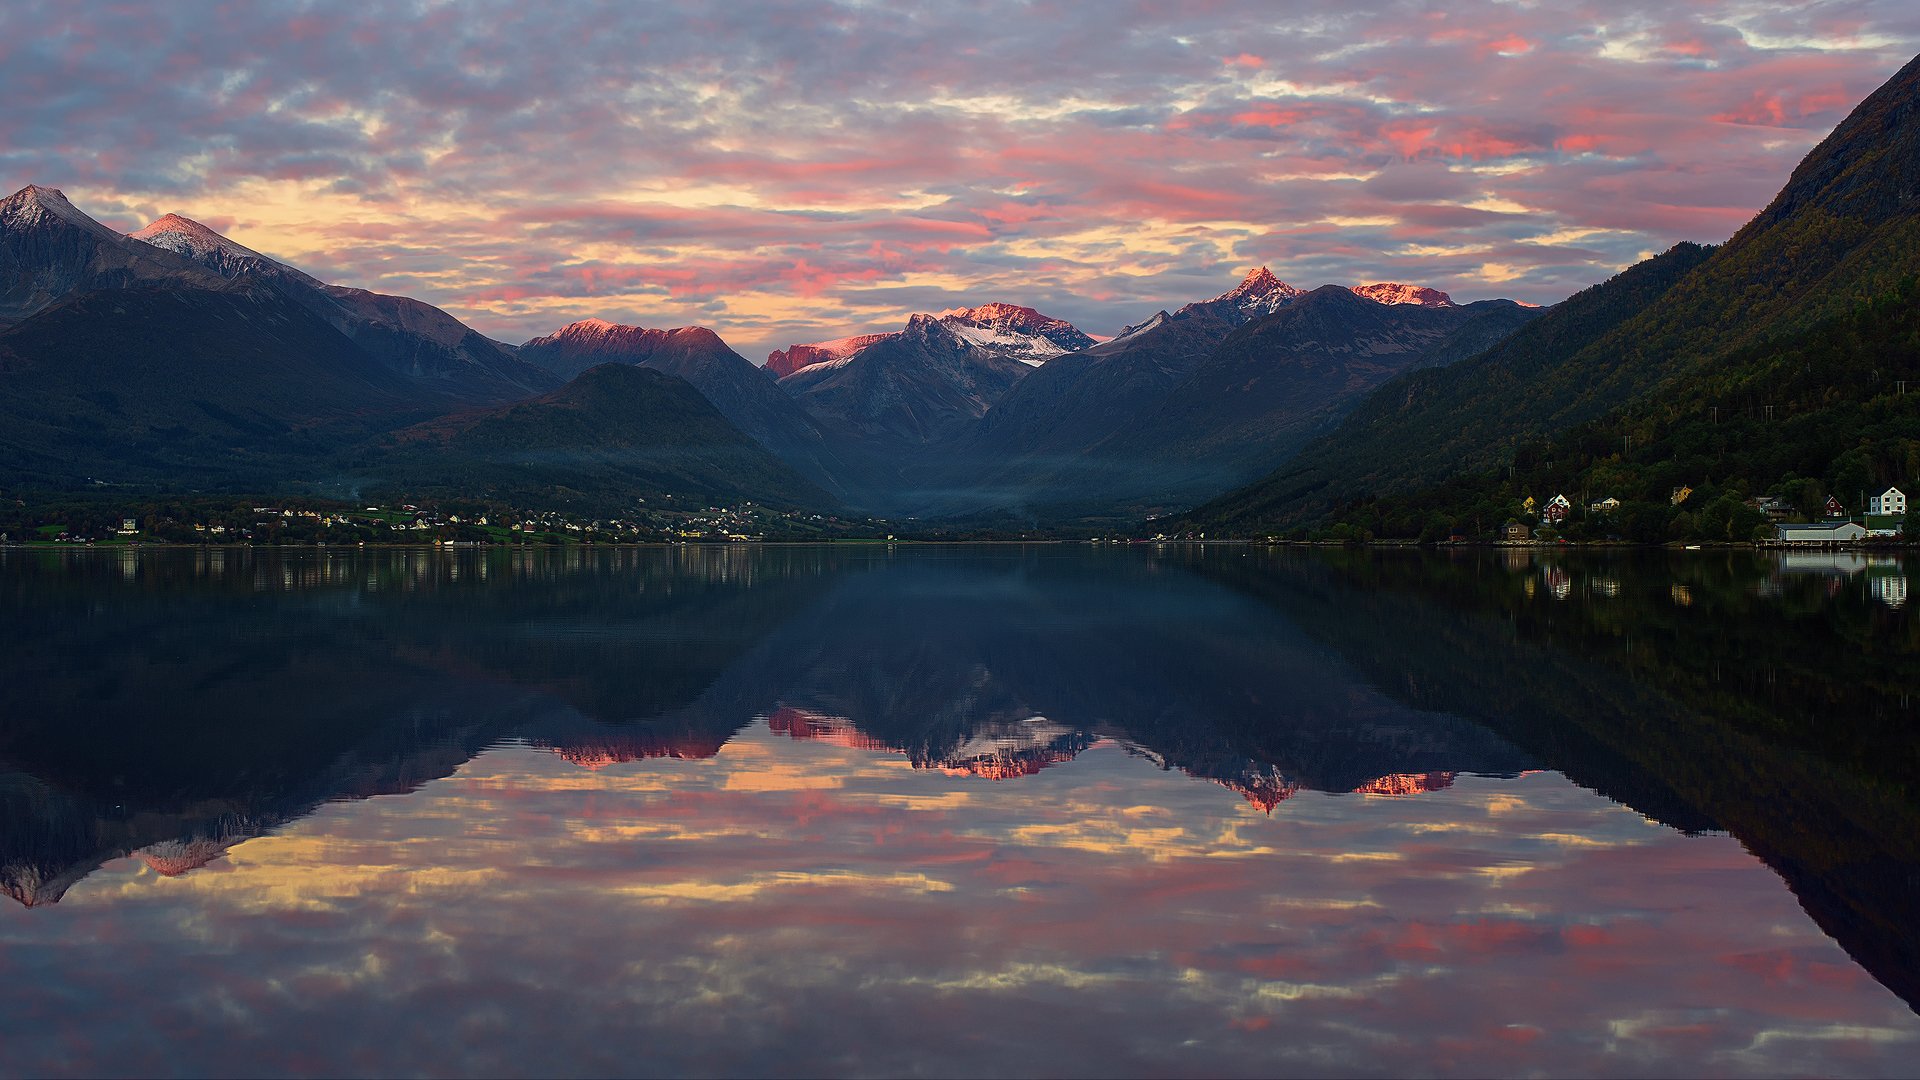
<point x="1834" y="509"/>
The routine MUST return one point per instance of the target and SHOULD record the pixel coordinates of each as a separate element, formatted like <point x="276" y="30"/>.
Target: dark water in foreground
<point x="989" y="810"/>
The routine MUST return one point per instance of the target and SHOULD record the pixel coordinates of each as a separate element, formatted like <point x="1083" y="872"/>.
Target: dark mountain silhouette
<point x="1721" y="725"/>
<point x="1844" y="231"/>
<point x="742" y="392"/>
<point x="1193" y="402"/>
<point x="230" y="387"/>
<point x="443" y="355"/>
<point x="50" y="251"/>
<point x="615" y="435"/>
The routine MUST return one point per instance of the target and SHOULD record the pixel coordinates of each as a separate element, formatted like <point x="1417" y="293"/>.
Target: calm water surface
<point x="986" y="810"/>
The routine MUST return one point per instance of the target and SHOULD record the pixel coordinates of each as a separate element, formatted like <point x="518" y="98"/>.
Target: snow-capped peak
<point x="1259" y="293"/>
<point x="1014" y="331"/>
<point x="185" y="236"/>
<point x="189" y="237"/>
<point x="1008" y="330"/>
<point x="33" y="204"/>
<point x="1392" y="292"/>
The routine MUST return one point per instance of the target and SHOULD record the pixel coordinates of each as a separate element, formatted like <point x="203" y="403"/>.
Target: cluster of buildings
<point x="1885" y="518"/>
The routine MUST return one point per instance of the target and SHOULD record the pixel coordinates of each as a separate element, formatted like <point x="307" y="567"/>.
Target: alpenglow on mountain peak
<point x="1259" y="293"/>
<point x="188" y="237"/>
<point x="1393" y="292"/>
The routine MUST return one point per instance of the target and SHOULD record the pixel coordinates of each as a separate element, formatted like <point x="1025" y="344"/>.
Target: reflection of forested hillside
<point x="173" y="703"/>
<point x="934" y="652"/>
<point x="1706" y="691"/>
<point x="201" y="697"/>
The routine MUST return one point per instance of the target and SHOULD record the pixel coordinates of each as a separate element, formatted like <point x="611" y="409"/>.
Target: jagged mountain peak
<point x="1259" y="293"/>
<point x="1259" y="285"/>
<point x="602" y="332"/>
<point x="1393" y="292"/>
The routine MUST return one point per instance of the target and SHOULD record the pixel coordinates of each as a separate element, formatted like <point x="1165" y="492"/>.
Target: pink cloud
<point x="536" y="124"/>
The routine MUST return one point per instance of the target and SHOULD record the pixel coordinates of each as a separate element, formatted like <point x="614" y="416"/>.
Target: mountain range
<point x="176" y="359"/>
<point x="1695" y="368"/>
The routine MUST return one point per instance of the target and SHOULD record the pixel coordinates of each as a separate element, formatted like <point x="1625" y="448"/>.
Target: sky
<point x="792" y="172"/>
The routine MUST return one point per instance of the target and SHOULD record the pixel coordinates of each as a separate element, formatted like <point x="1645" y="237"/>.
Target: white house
<point x="1890" y="501"/>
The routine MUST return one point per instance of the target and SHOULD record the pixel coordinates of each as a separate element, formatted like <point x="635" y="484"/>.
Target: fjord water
<point x="1058" y="810"/>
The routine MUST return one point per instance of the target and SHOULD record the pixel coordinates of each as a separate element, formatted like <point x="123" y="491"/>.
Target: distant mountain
<point x="1389" y="292"/>
<point x="742" y="393"/>
<point x="192" y="240"/>
<point x="1691" y="328"/>
<point x="1008" y="330"/>
<point x="1276" y="382"/>
<point x="50" y="250"/>
<point x="1018" y="332"/>
<point x="1258" y="294"/>
<point x="614" y="435"/>
<point x="1192" y="402"/>
<point x="1076" y="401"/>
<point x="929" y="380"/>
<point x="414" y="338"/>
<point x="784" y="362"/>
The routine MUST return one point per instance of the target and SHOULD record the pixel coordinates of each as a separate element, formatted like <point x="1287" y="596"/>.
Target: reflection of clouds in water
<point x="658" y="916"/>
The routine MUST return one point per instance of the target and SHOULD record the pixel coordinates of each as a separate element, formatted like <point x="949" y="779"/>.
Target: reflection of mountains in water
<point x="1735" y="692"/>
<point x="188" y="703"/>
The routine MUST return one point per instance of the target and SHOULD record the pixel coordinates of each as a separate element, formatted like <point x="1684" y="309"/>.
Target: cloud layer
<point x="798" y="171"/>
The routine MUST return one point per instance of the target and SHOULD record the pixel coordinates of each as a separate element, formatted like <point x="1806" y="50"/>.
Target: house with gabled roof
<point x="1821" y="533"/>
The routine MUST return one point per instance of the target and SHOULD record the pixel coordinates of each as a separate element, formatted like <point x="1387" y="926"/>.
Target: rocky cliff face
<point x="1391" y="292"/>
<point x="784" y="362"/>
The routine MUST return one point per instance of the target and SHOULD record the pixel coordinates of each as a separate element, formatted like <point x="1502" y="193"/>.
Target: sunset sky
<point x="799" y="171"/>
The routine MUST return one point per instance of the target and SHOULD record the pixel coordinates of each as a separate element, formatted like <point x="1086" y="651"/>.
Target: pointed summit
<point x="1261" y="292"/>
<point x="184" y="236"/>
<point x="1258" y="294"/>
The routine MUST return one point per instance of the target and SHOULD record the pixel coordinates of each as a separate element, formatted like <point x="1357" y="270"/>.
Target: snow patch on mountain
<point x="1392" y="292"/>
<point x="35" y="205"/>
<point x="784" y="362"/>
<point x="1260" y="293"/>
<point x="1009" y="330"/>
<point x="185" y="236"/>
<point x="1132" y="331"/>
